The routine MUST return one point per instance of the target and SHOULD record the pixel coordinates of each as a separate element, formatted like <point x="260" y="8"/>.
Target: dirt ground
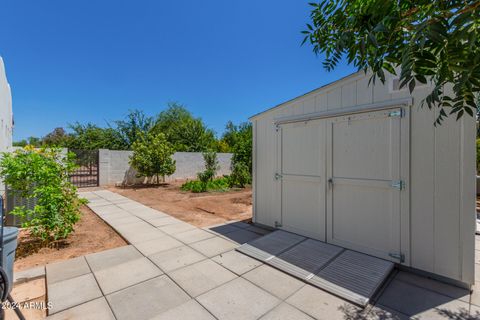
<point x="199" y="209"/>
<point x="91" y="235"/>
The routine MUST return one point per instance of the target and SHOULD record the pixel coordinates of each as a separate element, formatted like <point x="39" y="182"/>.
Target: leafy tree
<point x="31" y="141"/>
<point x="183" y="131"/>
<point x="135" y="124"/>
<point x="43" y="175"/>
<point x="239" y="138"/>
<point x="152" y="156"/>
<point x="91" y="137"/>
<point x="57" y="138"/>
<point x="437" y="41"/>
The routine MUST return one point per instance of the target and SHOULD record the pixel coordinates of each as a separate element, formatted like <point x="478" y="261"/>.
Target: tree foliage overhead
<point x="184" y="131"/>
<point x="239" y="139"/>
<point x="135" y="124"/>
<point x="91" y="137"/>
<point x="437" y="41"/>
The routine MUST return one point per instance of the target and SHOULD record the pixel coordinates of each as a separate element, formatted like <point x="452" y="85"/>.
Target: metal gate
<point x="87" y="172"/>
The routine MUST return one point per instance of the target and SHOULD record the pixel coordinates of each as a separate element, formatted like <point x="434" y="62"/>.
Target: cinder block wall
<point x="115" y="169"/>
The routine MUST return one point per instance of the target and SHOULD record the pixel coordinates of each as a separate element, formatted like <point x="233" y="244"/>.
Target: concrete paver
<point x="190" y="310"/>
<point x="176" y="258"/>
<point x="157" y="245"/>
<point x="147" y="299"/>
<point x="112" y="257"/>
<point x="193" y="235"/>
<point x="238" y="299"/>
<point x="159" y="222"/>
<point x="72" y="292"/>
<point x="176" y="228"/>
<point x="92" y="310"/>
<point x="236" y="262"/>
<point x="285" y="311"/>
<point x="274" y="281"/>
<point x="65" y="270"/>
<point x="201" y="277"/>
<point x="213" y="246"/>
<point x="126" y="274"/>
<point x="322" y="305"/>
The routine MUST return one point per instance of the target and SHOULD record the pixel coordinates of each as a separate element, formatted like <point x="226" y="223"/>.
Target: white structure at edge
<point x="6" y="115"/>
<point x="363" y="167"/>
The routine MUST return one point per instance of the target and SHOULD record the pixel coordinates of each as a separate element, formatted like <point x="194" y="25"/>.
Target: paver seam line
<point x="286" y="298"/>
<point x="81" y="304"/>
<point x="277" y="304"/>
<point x="133" y="201"/>
<point x="188" y="245"/>
<point x="48" y="311"/>
<point x="101" y="290"/>
<point x="237" y="276"/>
<point x="131" y="214"/>
<point x="299" y="309"/>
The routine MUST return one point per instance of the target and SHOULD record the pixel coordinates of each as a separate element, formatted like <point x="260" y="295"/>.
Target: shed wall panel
<point x="441" y="174"/>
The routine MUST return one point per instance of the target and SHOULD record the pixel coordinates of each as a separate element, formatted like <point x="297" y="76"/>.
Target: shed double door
<point x="340" y="181"/>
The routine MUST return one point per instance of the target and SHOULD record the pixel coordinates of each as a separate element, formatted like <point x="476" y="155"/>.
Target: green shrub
<point x="217" y="184"/>
<point x="43" y="174"/>
<point x="240" y="176"/>
<point x="152" y="156"/>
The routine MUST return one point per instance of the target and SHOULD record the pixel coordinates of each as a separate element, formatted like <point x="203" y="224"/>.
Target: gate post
<point x="103" y="167"/>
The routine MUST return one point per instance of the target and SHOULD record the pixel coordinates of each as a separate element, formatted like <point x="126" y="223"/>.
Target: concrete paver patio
<point x="173" y="270"/>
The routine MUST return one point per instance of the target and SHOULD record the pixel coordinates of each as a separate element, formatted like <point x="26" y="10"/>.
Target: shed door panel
<point x="303" y="178"/>
<point x="364" y="208"/>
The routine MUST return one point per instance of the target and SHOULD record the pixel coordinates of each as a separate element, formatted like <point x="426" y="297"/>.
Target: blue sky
<point x="92" y="61"/>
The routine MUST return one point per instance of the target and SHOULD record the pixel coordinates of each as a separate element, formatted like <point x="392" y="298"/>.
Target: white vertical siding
<point x="6" y="120"/>
<point x="438" y="223"/>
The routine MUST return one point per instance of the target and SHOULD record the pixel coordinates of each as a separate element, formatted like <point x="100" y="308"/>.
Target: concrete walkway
<point x="173" y="270"/>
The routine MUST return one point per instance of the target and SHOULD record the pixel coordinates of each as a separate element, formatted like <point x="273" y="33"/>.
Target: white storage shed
<point x="6" y="116"/>
<point x="364" y="167"/>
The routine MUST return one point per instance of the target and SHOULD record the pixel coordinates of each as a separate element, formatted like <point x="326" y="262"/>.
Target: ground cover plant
<point x="43" y="175"/>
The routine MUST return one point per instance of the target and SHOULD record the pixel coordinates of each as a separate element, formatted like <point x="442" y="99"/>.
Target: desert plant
<point x="152" y="156"/>
<point x="43" y="174"/>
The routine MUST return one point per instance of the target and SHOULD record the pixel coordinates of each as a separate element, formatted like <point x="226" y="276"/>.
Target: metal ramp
<point x="348" y="274"/>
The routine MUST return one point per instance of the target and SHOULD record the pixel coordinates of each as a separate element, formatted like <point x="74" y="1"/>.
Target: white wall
<point x="438" y="218"/>
<point x="114" y="167"/>
<point x="6" y="116"/>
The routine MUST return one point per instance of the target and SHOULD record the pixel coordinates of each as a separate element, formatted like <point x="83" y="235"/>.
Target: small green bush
<point x="197" y="186"/>
<point x="152" y="156"/>
<point x="43" y="174"/>
<point x="240" y="176"/>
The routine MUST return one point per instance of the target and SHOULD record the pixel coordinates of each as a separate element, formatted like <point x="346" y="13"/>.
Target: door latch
<point x="278" y="176"/>
<point x="398" y="256"/>
<point x="397" y="113"/>
<point x="398" y="184"/>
